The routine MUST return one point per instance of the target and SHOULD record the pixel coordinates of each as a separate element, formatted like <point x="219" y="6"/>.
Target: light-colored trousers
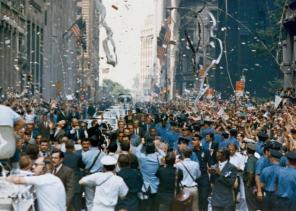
<point x="194" y="192"/>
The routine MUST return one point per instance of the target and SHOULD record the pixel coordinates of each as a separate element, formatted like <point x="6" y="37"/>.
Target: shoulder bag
<point x="87" y="171"/>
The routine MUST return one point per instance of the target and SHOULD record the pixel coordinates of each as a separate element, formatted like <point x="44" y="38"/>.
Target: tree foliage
<point x="111" y="89"/>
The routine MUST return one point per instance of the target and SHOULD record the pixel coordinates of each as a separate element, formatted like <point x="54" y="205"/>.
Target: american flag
<point x="78" y="27"/>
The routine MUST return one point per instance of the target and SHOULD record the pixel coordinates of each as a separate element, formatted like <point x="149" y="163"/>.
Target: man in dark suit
<point x="66" y="175"/>
<point x="74" y="161"/>
<point x="58" y="132"/>
<point x="223" y="190"/>
<point x="138" y="130"/>
<point x="147" y="125"/>
<point x="94" y="130"/>
<point x="133" y="179"/>
<point x="43" y="126"/>
<point x="76" y="133"/>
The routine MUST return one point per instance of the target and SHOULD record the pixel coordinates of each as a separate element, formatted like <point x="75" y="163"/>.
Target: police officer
<point x="203" y="157"/>
<point x="262" y="163"/>
<point x="262" y="138"/>
<point x="249" y="178"/>
<point x="268" y="178"/>
<point x="286" y="178"/>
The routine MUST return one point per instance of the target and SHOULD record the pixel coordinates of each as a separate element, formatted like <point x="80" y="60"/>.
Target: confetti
<point x="114" y="7"/>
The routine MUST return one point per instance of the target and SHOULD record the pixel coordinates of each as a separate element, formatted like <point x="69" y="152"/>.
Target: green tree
<point x="111" y="89"/>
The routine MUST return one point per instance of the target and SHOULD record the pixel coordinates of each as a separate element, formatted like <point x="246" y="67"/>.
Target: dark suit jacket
<point x="66" y="174"/>
<point x="74" y="136"/>
<point x="57" y="136"/>
<point x="223" y="193"/>
<point x="43" y="130"/>
<point x="133" y="179"/>
<point x="74" y="161"/>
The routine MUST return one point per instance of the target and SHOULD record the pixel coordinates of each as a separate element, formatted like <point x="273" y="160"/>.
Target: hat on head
<point x="108" y="161"/>
<point x="251" y="146"/>
<point x="275" y="153"/>
<point x="225" y="134"/>
<point x="274" y="145"/>
<point x="291" y="155"/>
<point x="262" y="136"/>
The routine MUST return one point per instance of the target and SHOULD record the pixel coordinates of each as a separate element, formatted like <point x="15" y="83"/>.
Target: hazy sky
<point x="126" y="23"/>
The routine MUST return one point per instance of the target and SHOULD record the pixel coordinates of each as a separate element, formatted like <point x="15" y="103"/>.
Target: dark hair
<point x="123" y="161"/>
<point x="32" y="151"/>
<point x="25" y="162"/>
<point x="85" y="140"/>
<point x="61" y="154"/>
<point x="112" y="147"/>
<point x="113" y="137"/>
<point x="225" y="153"/>
<point x="197" y="136"/>
<point x="170" y="158"/>
<point x="150" y="148"/>
<point x="94" y="140"/>
<point x="110" y="168"/>
<point x="183" y="141"/>
<point x="187" y="152"/>
<point x="225" y="135"/>
<point x="233" y="132"/>
<point x="125" y="145"/>
<point x="69" y="145"/>
<point x="232" y="145"/>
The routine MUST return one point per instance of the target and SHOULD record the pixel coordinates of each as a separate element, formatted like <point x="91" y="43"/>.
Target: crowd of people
<point x="214" y="155"/>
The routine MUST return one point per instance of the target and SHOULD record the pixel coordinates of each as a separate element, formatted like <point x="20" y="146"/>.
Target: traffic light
<point x="29" y="78"/>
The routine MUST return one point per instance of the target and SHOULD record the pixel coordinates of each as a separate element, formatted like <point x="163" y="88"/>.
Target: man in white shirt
<point x="239" y="160"/>
<point x="108" y="186"/>
<point x="50" y="191"/>
<point x="236" y="158"/>
<point x="191" y="172"/>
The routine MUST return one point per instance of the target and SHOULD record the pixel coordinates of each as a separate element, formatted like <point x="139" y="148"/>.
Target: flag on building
<point x="78" y="29"/>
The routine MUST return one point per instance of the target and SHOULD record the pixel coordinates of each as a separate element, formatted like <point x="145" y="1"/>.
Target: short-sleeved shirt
<point x="268" y="177"/>
<point x="286" y="178"/>
<point x="50" y="192"/>
<point x="251" y="164"/>
<point x="8" y="116"/>
<point x="250" y="167"/>
<point x="108" y="188"/>
<point x="262" y="163"/>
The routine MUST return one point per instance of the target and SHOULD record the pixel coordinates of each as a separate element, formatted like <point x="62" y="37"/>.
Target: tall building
<point x="89" y="66"/>
<point x="289" y="46"/>
<point x="34" y="12"/>
<point x="13" y="46"/>
<point x="245" y="24"/>
<point x="60" y="50"/>
<point x="147" y="56"/>
<point x="194" y="24"/>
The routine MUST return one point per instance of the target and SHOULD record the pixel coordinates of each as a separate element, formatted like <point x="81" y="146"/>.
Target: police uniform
<point x="203" y="157"/>
<point x="250" y="167"/>
<point x="268" y="178"/>
<point x="286" y="193"/>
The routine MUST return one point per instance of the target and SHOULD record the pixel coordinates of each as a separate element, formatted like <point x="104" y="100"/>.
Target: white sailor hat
<point x="108" y="161"/>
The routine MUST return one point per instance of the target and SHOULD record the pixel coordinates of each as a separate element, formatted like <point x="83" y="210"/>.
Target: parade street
<point x="147" y="105"/>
